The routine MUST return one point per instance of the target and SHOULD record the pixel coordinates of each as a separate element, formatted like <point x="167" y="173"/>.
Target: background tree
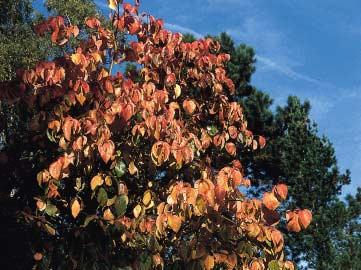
<point x="19" y="46"/>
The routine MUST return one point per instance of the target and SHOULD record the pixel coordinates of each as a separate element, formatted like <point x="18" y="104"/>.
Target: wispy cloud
<point x="182" y="29"/>
<point x="285" y="70"/>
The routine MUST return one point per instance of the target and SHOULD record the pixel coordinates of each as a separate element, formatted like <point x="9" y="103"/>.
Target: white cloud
<point x="284" y="69"/>
<point x="179" y="28"/>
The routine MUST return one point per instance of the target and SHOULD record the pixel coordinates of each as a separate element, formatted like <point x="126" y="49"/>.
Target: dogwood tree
<point x="140" y="169"/>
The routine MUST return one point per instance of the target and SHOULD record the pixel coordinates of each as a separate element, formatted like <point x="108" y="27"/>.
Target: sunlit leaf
<point x="137" y="210"/>
<point x="270" y="200"/>
<point x="75" y="208"/>
<point x="132" y="168"/>
<point x="113" y="4"/>
<point x="147" y="197"/>
<point x="96" y="181"/>
<point x="174" y="222"/>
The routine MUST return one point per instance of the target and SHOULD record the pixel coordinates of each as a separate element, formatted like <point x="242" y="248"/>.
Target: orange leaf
<point x="292" y="222"/>
<point x="92" y="22"/>
<point x="261" y="141"/>
<point x="304" y="217"/>
<point x="55" y="168"/>
<point x="108" y="215"/>
<point x="106" y="150"/>
<point x="281" y="191"/>
<point x="257" y="265"/>
<point x="75" y="208"/>
<point x="160" y="152"/>
<point x="189" y="106"/>
<point x="270" y="200"/>
<point x="231" y="148"/>
<point x="38" y="256"/>
<point x="208" y="262"/>
<point x="174" y="222"/>
<point x="277" y="239"/>
<point x="134" y="27"/>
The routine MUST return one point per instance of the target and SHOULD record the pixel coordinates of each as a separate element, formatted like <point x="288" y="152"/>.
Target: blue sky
<point x="311" y="49"/>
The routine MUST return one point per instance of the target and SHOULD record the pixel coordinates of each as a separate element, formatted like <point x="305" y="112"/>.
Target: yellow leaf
<point x="124" y="237"/>
<point x="147" y="197"/>
<point x="80" y="98"/>
<point x="75" y="208"/>
<point x="137" y="210"/>
<point x="108" y="180"/>
<point x="97" y="57"/>
<point x="174" y="222"/>
<point x="96" y="181"/>
<point x="150" y="205"/>
<point x="113" y="4"/>
<point x="132" y="168"/>
<point x="177" y="91"/>
<point x="76" y="58"/>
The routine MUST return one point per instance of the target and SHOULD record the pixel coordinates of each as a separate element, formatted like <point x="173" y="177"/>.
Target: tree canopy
<point x="143" y="172"/>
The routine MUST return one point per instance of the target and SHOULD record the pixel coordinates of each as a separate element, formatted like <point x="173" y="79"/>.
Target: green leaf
<point x="89" y="219"/>
<point x="51" y="210"/>
<point x="120" y="168"/>
<point x="102" y="197"/>
<point x="273" y="265"/>
<point x="145" y="262"/>
<point x="50" y="136"/>
<point x="212" y="130"/>
<point x="120" y="205"/>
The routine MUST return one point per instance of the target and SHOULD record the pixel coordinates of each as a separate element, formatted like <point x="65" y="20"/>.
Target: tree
<point x="75" y="10"/>
<point x="141" y="173"/>
<point x="19" y="47"/>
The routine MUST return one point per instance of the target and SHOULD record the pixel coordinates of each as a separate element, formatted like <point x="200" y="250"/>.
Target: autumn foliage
<point x="149" y="158"/>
